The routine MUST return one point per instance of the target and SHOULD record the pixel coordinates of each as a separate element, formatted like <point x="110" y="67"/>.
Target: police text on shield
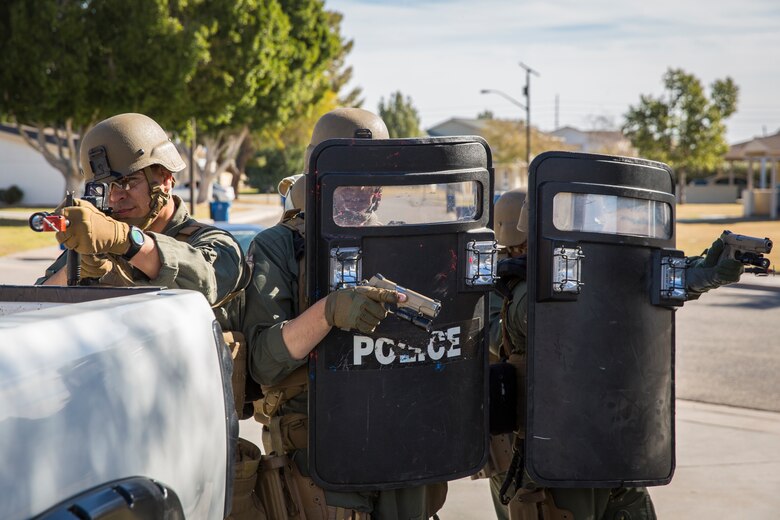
<point x="442" y="344"/>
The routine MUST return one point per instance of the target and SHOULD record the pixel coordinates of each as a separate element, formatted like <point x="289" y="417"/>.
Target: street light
<point x="526" y="107"/>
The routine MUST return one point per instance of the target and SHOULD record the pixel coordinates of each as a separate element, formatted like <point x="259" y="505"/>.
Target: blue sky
<point x="597" y="56"/>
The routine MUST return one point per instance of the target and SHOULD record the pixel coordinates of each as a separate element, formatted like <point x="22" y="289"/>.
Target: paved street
<point x="728" y="353"/>
<point x="728" y="345"/>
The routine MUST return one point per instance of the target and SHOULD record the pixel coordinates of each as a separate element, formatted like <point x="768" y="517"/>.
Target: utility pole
<point x="527" y="92"/>
<point x="557" y="109"/>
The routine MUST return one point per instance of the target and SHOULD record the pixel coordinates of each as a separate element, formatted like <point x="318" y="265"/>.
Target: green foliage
<point x="12" y="195"/>
<point x="84" y="61"/>
<point x="282" y="150"/>
<point x="231" y="65"/>
<point x="272" y="164"/>
<point x="400" y="116"/>
<point x="683" y="128"/>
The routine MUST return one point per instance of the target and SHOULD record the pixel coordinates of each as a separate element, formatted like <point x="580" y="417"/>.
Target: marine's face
<point x="130" y="197"/>
<point x="354" y="204"/>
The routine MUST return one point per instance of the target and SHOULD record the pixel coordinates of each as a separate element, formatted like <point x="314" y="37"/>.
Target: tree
<point x="229" y="65"/>
<point x="276" y="150"/>
<point x="683" y="128"/>
<point x="400" y="116"/>
<point x="486" y="114"/>
<point x="268" y="60"/>
<point x="67" y="65"/>
<point x="280" y="148"/>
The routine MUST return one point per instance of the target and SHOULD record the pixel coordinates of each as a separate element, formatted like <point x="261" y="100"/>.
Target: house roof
<point x="755" y="148"/>
<point x="470" y="126"/>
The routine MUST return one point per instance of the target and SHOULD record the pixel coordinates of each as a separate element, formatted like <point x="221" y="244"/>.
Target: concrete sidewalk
<point x="728" y="466"/>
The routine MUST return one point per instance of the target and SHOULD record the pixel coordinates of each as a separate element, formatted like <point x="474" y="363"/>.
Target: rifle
<point x="96" y="193"/>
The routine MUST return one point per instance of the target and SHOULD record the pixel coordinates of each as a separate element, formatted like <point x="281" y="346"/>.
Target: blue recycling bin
<point x="219" y="211"/>
<point x="450" y="202"/>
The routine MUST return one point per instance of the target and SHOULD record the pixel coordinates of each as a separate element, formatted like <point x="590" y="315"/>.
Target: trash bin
<point x="450" y="202"/>
<point x="219" y="211"/>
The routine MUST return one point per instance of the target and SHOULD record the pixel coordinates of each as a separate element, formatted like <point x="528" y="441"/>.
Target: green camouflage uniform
<point x="583" y="503"/>
<point x="271" y="300"/>
<point x="210" y="261"/>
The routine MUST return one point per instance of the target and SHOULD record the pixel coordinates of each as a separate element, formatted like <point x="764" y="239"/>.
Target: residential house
<point x="21" y="165"/>
<point x="763" y="152"/>
<point x="611" y="142"/>
<point x="507" y="175"/>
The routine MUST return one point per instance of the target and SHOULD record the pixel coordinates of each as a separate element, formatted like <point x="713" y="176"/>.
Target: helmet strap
<point x="158" y="199"/>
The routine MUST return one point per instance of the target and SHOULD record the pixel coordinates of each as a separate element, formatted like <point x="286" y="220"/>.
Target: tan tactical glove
<point x="90" y="231"/>
<point x="358" y="307"/>
<point x="93" y="266"/>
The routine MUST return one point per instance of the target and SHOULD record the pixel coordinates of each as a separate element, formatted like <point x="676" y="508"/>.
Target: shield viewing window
<point x="369" y="206"/>
<point x="612" y="215"/>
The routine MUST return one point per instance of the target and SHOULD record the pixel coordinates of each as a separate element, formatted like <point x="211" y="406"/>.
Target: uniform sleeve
<point x="58" y="264"/>
<point x="210" y="263"/>
<point x="270" y="302"/>
<point x="517" y="318"/>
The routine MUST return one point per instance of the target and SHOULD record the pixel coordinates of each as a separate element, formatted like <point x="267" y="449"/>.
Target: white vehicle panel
<point x="98" y="391"/>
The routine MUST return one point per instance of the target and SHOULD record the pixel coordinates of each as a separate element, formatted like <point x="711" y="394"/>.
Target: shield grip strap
<point x="286" y="433"/>
<point x="274" y="396"/>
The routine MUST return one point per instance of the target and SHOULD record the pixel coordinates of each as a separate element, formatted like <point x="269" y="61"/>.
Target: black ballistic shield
<point x="600" y="410"/>
<point x="400" y="406"/>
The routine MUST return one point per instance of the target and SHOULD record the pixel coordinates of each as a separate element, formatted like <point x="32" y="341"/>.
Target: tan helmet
<point x="345" y="123"/>
<point x="124" y="144"/>
<point x="292" y="189"/>
<point x="506" y="214"/>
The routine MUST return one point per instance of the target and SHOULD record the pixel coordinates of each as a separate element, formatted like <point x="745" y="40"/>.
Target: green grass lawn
<point x="16" y="236"/>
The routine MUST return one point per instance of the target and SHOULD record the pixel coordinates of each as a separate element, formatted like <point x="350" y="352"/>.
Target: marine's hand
<point x="713" y="270"/>
<point x="93" y="266"/>
<point x="90" y="231"/>
<point x="358" y="307"/>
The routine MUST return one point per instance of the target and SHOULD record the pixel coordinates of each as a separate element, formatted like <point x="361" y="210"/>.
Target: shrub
<point x="12" y="195"/>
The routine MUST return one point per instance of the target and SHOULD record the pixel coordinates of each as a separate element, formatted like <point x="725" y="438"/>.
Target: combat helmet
<point x="339" y="123"/>
<point x="345" y="123"/>
<point x="507" y="213"/>
<point x="127" y="143"/>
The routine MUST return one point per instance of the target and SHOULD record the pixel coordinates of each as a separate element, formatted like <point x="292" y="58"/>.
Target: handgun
<point x="417" y="309"/>
<point x="748" y="250"/>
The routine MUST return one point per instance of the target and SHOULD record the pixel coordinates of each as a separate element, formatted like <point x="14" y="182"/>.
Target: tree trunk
<point x="61" y="154"/>
<point x="221" y="152"/>
<point x="245" y="154"/>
